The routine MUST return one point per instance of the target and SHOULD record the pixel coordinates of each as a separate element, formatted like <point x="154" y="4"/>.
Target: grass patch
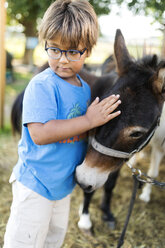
<point x="19" y="84"/>
<point x="5" y="131"/>
<point x="11" y="91"/>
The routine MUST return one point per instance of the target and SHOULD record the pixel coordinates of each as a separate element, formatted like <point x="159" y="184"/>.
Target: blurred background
<point x="142" y="23"/>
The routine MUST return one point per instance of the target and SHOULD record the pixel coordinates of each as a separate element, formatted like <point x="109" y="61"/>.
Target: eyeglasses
<point x="71" y="54"/>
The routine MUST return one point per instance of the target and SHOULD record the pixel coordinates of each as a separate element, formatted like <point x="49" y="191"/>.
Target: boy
<point x="56" y="118"/>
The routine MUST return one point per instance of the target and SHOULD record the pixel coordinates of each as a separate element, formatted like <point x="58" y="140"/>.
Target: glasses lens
<point x="54" y="53"/>
<point x="73" y="55"/>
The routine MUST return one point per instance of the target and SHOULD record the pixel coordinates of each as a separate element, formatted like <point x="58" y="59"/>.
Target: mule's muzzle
<point x="86" y="188"/>
<point x="90" y="178"/>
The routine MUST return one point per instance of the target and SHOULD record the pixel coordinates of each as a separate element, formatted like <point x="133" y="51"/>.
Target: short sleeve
<point x="39" y="103"/>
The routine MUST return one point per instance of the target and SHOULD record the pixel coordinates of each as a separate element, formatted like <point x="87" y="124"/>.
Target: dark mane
<point x="149" y="61"/>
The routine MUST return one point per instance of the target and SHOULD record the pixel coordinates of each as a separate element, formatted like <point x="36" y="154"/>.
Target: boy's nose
<point x="63" y="58"/>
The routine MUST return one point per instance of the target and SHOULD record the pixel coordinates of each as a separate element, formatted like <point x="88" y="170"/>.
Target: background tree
<point x="154" y="8"/>
<point x="28" y="13"/>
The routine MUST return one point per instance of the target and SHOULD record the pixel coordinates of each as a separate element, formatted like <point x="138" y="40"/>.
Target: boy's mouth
<point x="64" y="68"/>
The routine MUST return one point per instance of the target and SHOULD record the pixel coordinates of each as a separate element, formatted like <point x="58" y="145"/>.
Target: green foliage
<point x="27" y="12"/>
<point x="154" y="8"/>
<point x="21" y="10"/>
<point x="101" y="7"/>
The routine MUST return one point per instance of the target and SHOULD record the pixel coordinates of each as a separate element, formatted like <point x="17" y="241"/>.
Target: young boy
<point x="56" y="118"/>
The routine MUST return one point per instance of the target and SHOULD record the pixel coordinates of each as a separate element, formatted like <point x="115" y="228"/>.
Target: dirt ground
<point x="146" y="228"/>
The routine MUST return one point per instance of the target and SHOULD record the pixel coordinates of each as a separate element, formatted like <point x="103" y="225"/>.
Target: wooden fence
<point x="2" y="60"/>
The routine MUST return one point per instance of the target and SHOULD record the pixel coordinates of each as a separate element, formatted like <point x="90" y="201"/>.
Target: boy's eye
<point x="55" y="50"/>
<point x="73" y="52"/>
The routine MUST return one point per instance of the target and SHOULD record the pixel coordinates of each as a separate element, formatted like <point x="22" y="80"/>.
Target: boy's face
<point x="63" y="67"/>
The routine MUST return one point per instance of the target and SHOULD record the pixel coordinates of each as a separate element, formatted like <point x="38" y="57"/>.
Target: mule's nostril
<point x="88" y="189"/>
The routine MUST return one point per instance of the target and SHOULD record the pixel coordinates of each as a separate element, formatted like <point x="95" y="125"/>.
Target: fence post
<point x="2" y="60"/>
<point x="163" y="43"/>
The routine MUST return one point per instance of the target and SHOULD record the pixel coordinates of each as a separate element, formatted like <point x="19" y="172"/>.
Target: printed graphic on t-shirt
<point x="75" y="111"/>
<point x="77" y="138"/>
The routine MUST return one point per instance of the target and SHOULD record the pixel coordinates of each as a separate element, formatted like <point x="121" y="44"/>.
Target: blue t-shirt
<point x="49" y="169"/>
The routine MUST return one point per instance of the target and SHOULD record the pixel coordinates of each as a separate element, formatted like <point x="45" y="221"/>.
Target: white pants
<point x="35" y="222"/>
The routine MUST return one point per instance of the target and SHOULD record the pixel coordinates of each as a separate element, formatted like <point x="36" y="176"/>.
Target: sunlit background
<point x="139" y="31"/>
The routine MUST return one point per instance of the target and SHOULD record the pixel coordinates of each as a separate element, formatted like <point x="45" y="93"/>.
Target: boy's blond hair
<point x="74" y="21"/>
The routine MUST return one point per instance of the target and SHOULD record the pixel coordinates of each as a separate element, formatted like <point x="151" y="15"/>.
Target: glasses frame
<point x="64" y="51"/>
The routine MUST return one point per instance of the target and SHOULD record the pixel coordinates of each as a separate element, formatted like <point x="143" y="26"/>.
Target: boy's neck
<point x="75" y="81"/>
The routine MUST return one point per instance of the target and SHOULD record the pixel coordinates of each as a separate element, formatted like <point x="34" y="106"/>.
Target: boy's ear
<point x="88" y="53"/>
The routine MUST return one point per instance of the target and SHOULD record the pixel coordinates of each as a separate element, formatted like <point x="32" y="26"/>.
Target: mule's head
<point x="141" y="85"/>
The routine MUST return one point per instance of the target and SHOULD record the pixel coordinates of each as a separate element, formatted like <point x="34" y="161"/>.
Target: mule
<point x="141" y="86"/>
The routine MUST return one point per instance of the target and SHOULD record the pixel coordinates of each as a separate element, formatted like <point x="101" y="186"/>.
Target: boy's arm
<point x="97" y="114"/>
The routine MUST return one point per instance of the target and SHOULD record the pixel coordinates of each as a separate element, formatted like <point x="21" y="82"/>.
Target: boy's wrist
<point x="87" y="122"/>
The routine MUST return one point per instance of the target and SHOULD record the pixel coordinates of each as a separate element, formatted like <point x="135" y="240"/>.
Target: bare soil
<point x="146" y="228"/>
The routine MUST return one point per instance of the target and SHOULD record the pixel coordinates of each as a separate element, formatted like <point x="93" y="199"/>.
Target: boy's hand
<point x="99" y="113"/>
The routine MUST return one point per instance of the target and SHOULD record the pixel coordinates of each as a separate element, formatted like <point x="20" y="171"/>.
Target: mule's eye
<point x="136" y="134"/>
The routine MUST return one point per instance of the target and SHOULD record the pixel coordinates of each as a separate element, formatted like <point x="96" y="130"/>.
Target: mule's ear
<point x="123" y="58"/>
<point x="150" y="61"/>
<point x="159" y="82"/>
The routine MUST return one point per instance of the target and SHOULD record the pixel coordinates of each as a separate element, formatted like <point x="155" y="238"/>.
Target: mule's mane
<point x="148" y="61"/>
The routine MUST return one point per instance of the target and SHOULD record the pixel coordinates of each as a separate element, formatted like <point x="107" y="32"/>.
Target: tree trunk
<point x="28" y="57"/>
<point x="31" y="41"/>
